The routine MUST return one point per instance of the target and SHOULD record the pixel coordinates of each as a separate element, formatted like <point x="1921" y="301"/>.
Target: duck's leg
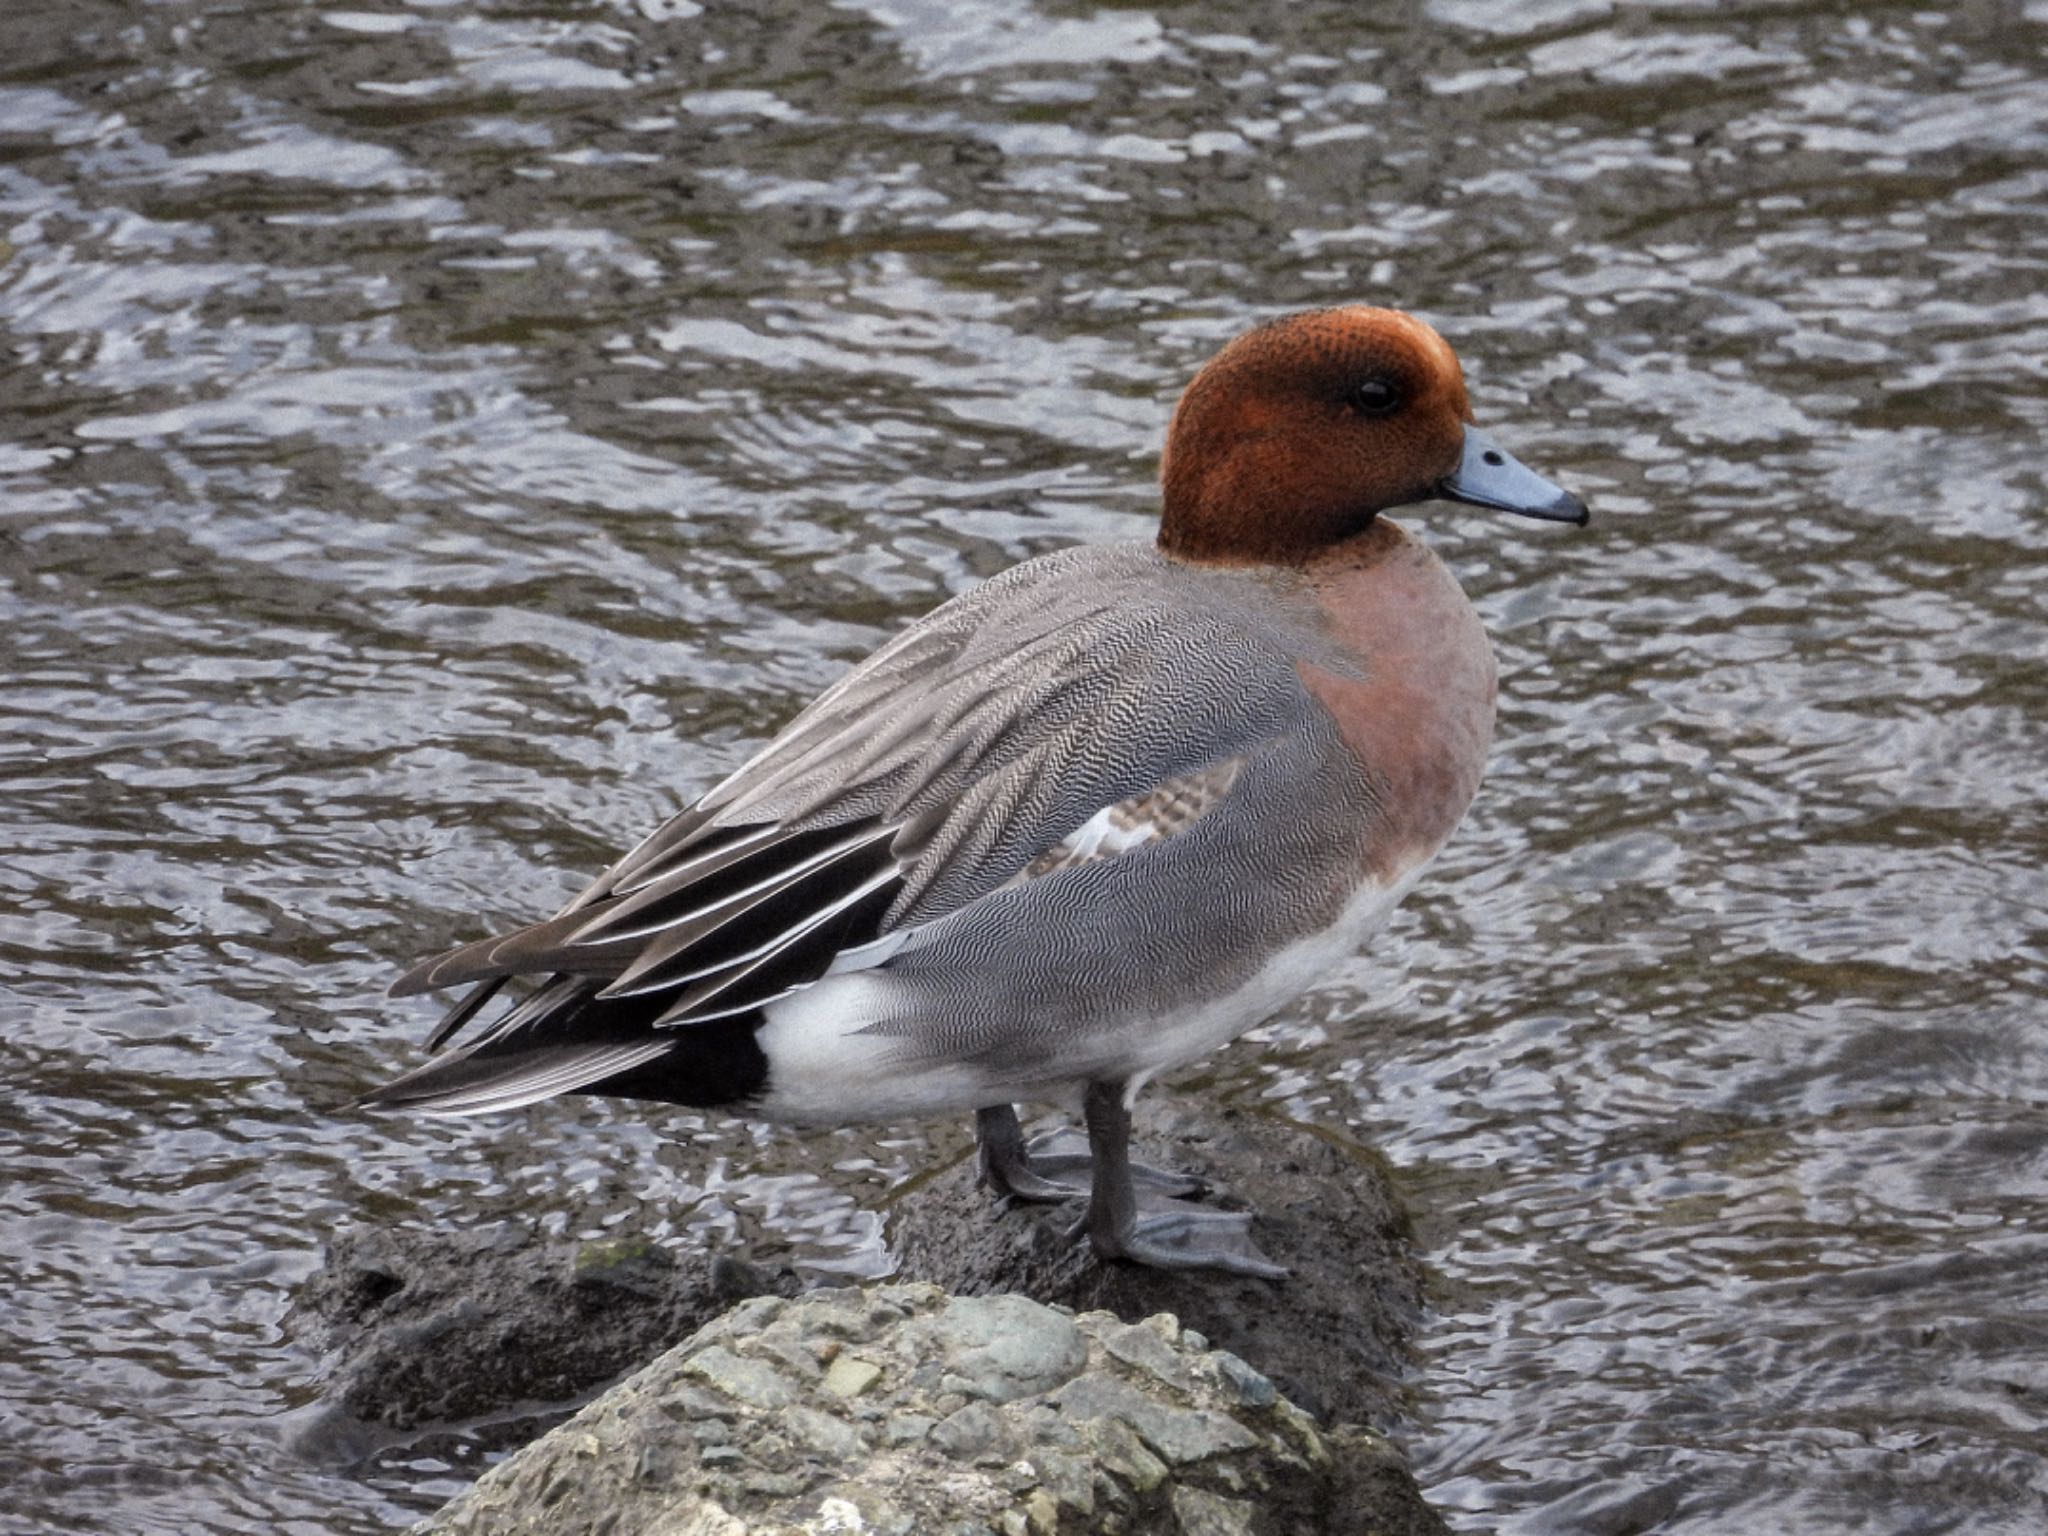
<point x="1182" y="1238"/>
<point x="1014" y="1169"/>
<point x="1007" y="1168"/>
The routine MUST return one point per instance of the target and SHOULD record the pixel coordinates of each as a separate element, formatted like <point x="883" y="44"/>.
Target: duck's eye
<point x="1376" y="397"/>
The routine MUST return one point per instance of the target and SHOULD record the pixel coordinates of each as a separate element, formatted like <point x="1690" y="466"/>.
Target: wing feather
<point x="804" y="954"/>
<point x="693" y="889"/>
<point x="774" y="914"/>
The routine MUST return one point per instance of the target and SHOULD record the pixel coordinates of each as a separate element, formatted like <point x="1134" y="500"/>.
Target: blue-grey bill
<point x="1489" y="476"/>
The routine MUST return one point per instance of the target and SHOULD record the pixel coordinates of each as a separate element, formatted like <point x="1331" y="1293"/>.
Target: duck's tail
<point x="563" y="1038"/>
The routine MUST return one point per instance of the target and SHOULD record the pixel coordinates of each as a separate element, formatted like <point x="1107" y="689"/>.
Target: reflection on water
<point x="440" y="439"/>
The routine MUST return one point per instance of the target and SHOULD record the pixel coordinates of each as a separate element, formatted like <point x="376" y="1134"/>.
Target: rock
<point x="1333" y="1337"/>
<point x="849" y="1377"/>
<point x="440" y="1329"/>
<point x="1077" y="1426"/>
<point x="428" y="1329"/>
<point x="434" y="1329"/>
<point x="1004" y="1347"/>
<point x="975" y="1433"/>
<point x="754" y="1383"/>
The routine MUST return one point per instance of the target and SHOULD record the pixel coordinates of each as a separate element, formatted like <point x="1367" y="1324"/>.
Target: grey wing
<point x="1041" y="721"/>
<point x="1094" y="956"/>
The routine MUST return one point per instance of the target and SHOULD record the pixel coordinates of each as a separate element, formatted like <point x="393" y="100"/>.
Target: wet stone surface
<point x="427" y="1329"/>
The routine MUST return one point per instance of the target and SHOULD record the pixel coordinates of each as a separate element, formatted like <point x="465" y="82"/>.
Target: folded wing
<point x="1024" y="729"/>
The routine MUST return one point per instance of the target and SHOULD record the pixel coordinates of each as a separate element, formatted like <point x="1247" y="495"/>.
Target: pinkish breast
<point x="1419" y="713"/>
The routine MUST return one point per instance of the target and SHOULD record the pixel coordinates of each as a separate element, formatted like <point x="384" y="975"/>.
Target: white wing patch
<point x="1152" y="817"/>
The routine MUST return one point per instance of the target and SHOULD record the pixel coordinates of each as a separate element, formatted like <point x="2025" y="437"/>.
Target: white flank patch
<point x="823" y="1071"/>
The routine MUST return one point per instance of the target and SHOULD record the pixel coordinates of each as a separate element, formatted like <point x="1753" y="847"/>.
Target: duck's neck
<point x="1418" y="710"/>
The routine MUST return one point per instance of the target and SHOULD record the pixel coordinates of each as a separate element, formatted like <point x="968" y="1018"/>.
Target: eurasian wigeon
<point x="1078" y="826"/>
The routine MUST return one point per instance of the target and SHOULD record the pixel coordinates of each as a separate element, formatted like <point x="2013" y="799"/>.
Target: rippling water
<point x="436" y="440"/>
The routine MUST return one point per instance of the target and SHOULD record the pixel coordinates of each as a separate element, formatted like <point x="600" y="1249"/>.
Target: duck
<point x="1081" y="825"/>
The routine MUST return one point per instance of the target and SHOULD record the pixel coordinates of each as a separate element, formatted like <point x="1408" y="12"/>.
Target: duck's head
<point x="1298" y="434"/>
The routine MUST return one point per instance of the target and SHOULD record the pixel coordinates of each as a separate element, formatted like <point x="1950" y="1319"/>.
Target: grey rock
<point x="974" y="1433"/>
<point x="1246" y="1385"/>
<point x="1210" y="1514"/>
<point x="1068" y="1480"/>
<point x="1116" y="1449"/>
<point x="1149" y="1347"/>
<point x="774" y="1485"/>
<point x="907" y="1428"/>
<point x="1180" y="1435"/>
<point x="706" y="1409"/>
<point x="822" y="1434"/>
<point x="423" y="1330"/>
<point x="1006" y="1347"/>
<point x="851" y="1509"/>
<point x="753" y="1382"/>
<point x="849" y="1376"/>
<point x="1121" y="1433"/>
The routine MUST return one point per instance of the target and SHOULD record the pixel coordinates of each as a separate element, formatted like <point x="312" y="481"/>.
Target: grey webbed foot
<point x="1065" y="1150"/>
<point x="1158" y="1231"/>
<point x="1055" y="1166"/>
<point x="1193" y="1239"/>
